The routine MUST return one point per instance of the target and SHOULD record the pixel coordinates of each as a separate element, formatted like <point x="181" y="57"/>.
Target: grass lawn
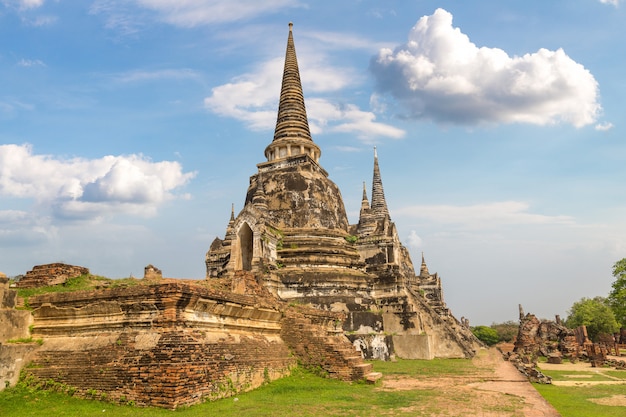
<point x="575" y="401"/>
<point x="578" y="400"/>
<point x="303" y="394"/>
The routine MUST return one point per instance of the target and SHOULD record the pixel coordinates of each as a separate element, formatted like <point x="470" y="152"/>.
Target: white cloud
<point x="253" y="99"/>
<point x="143" y="75"/>
<point x="128" y="18"/>
<point x="486" y="215"/>
<point x="30" y="63"/>
<point x="192" y="13"/>
<point x="603" y="127"/>
<point x="611" y="2"/>
<point x="440" y="74"/>
<point x="89" y="188"/>
<point x="23" y="4"/>
<point x="413" y="240"/>
<point x="18" y="228"/>
<point x="348" y="119"/>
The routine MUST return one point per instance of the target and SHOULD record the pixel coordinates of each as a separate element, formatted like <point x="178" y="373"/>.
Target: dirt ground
<point x="497" y="389"/>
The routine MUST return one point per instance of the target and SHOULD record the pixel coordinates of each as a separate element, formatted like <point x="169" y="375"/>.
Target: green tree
<point x="617" y="296"/>
<point x="595" y="313"/>
<point x="506" y="330"/>
<point x="486" y="334"/>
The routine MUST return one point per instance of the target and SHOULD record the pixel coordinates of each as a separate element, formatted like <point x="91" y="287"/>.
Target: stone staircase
<point x="318" y="347"/>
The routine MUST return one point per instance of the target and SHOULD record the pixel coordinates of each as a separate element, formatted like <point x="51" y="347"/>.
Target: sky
<point x="128" y="128"/>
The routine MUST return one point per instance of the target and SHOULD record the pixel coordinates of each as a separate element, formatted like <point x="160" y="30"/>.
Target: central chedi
<point x="293" y="235"/>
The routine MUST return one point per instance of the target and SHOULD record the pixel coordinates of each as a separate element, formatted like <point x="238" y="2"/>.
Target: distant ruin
<point x="50" y="274"/>
<point x="554" y="341"/>
<point x="291" y="282"/>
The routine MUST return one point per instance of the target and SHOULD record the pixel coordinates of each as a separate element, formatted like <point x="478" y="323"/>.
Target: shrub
<point x="486" y="334"/>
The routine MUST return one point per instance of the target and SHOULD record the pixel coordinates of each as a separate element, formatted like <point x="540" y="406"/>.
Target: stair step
<point x="372" y="377"/>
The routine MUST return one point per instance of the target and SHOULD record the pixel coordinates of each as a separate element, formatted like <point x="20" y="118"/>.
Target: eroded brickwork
<point x="174" y="343"/>
<point x="181" y="367"/>
<point x="50" y="274"/>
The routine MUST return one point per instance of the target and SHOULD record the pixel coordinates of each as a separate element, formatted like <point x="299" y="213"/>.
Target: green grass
<point x="435" y="367"/>
<point x="580" y="376"/>
<point x="302" y="393"/>
<point x="574" y="401"/>
<point x="80" y="283"/>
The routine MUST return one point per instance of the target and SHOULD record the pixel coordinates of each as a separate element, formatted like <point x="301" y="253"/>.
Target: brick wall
<point x="50" y="274"/>
<point x="175" y="343"/>
<point x="184" y="367"/>
<point x="162" y="345"/>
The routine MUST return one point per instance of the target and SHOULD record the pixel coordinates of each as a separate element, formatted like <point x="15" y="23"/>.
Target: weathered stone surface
<point x="8" y="297"/>
<point x="13" y="357"/>
<point x="14" y="326"/>
<point x="152" y="272"/>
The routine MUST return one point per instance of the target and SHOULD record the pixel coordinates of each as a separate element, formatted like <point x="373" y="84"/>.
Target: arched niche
<point x="246" y="245"/>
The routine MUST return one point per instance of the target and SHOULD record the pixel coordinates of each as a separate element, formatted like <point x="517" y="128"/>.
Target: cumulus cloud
<point x="487" y="215"/>
<point x="611" y="2"/>
<point x="253" y="99"/>
<point x="439" y="74"/>
<point x="88" y="188"/>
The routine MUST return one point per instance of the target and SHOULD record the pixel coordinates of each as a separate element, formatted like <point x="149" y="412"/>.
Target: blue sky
<point x="128" y="128"/>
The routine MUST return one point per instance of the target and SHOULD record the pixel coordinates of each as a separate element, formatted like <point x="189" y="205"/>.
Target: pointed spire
<point x="230" y="228"/>
<point x="424" y="269"/>
<point x="292" y="135"/>
<point x="364" y="199"/>
<point x="292" y="120"/>
<point x="379" y="205"/>
<point x="365" y="205"/>
<point x="258" y="199"/>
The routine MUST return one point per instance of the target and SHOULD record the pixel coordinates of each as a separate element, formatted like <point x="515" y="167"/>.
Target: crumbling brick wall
<point x="183" y="367"/>
<point x="163" y="345"/>
<point x="50" y="274"/>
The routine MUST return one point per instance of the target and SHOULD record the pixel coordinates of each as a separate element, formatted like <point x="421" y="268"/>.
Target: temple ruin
<point x="291" y="282"/>
<point x="293" y="234"/>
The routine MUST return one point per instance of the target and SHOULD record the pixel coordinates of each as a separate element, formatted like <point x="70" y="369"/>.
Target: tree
<point x="506" y="330"/>
<point x="595" y="313"/>
<point x="617" y="296"/>
<point x="486" y="334"/>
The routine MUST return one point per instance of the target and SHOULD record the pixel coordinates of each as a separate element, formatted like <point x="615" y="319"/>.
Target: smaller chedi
<point x="152" y="272"/>
<point x="293" y="234"/>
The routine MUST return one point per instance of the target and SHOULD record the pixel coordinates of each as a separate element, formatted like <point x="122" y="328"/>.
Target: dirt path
<point x="496" y="389"/>
<point x="510" y="381"/>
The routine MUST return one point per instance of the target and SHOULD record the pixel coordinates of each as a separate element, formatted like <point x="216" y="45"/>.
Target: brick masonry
<point x="175" y="343"/>
<point x="50" y="274"/>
